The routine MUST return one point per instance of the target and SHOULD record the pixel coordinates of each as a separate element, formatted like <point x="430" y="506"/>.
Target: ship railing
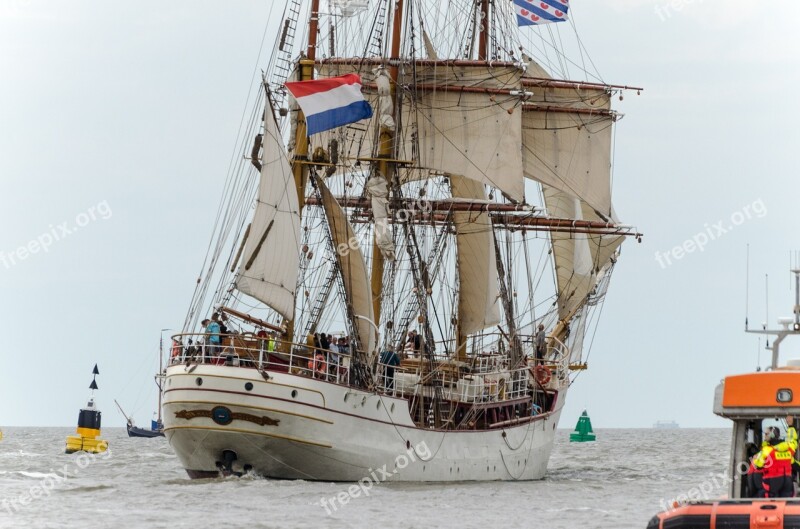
<point x="262" y="352"/>
<point x="556" y="359"/>
<point x="498" y="386"/>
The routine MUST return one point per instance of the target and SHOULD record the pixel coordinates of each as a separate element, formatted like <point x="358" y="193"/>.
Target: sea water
<point x="619" y="481"/>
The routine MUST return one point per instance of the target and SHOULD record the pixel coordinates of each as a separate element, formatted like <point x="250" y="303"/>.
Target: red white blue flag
<point x="330" y="103"/>
<point x="534" y="12"/>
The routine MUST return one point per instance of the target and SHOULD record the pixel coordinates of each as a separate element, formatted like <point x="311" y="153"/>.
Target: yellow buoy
<point x="88" y="427"/>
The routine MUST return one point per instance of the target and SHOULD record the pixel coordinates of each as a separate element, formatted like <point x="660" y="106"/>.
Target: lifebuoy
<point x="318" y="364"/>
<point x="542" y="375"/>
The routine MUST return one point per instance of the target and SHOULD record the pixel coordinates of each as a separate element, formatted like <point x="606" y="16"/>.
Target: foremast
<point x="300" y="159"/>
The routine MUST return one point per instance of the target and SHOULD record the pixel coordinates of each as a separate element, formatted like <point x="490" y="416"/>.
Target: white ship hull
<point x="295" y="427"/>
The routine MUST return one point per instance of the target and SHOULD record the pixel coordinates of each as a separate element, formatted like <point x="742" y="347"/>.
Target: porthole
<point x="198" y="381"/>
<point x="391" y="408"/>
<point x="784" y="395"/>
<point x="294" y="393"/>
<point x="378" y="406"/>
<point x="249" y="386"/>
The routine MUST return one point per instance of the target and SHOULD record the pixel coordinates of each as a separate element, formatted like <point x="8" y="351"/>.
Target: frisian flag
<point x="331" y="102"/>
<point x="540" y="12"/>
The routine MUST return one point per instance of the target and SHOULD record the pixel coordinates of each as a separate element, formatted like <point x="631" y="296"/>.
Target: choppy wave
<point x="616" y="483"/>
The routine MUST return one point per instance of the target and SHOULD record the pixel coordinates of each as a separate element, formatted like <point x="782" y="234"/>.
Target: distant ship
<point x="668" y="425"/>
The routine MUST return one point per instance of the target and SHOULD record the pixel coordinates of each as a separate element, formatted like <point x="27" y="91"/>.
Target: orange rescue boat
<point x="754" y="402"/>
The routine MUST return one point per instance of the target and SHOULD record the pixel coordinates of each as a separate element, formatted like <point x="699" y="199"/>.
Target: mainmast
<point x="483" y="40"/>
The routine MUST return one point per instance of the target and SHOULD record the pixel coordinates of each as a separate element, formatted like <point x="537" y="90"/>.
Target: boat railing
<point x="262" y="352"/>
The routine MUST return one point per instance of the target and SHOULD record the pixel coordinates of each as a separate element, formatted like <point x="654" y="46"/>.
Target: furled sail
<point x="570" y="151"/>
<point x="478" y="291"/>
<point x="578" y="257"/>
<point x="271" y="257"/>
<point x="379" y="190"/>
<point x="354" y="268"/>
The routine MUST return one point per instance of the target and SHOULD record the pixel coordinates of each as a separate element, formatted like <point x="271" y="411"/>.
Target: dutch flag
<point x="534" y="12"/>
<point x="330" y="103"/>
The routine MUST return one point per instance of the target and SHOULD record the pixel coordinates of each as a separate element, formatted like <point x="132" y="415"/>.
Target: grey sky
<point x="133" y="110"/>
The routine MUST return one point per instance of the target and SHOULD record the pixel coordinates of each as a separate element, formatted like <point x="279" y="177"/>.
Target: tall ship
<point x="409" y="258"/>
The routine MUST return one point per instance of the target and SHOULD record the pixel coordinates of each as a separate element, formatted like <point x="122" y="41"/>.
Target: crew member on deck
<point x="541" y="343"/>
<point x="775" y="459"/>
<point x="212" y="340"/>
<point x="414" y="343"/>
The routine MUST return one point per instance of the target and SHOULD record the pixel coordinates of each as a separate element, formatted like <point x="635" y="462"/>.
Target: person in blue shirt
<point x="389" y="360"/>
<point x="213" y="338"/>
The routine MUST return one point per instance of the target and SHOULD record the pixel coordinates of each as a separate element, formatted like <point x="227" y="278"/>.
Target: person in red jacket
<point x="775" y="460"/>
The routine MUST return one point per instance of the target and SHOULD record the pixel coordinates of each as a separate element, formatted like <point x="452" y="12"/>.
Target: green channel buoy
<point x="583" y="430"/>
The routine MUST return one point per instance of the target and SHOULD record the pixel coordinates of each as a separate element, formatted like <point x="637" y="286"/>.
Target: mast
<point x="483" y="39"/>
<point x="299" y="168"/>
<point x="385" y="167"/>
<point x="160" y="368"/>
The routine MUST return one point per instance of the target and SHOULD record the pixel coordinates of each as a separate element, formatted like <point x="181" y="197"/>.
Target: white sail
<point x="578" y="257"/>
<point x="271" y="258"/>
<point x="476" y="135"/>
<point x="478" y="301"/>
<point x="354" y="268"/>
<point x="569" y="151"/>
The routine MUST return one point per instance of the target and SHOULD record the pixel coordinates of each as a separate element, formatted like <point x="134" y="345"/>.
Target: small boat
<point x="754" y="402"/>
<point x="156" y="426"/>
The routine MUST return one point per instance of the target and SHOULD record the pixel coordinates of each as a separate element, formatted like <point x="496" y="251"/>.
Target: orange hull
<point x="781" y="513"/>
